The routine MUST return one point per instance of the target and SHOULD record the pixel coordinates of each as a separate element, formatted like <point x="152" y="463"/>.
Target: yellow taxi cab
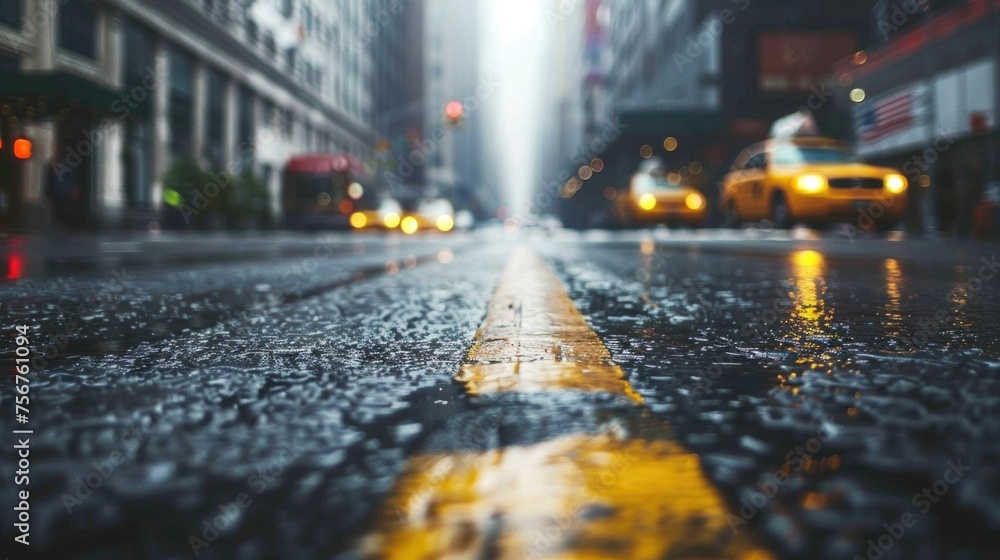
<point x="653" y="197"/>
<point x="387" y="215"/>
<point x="811" y="180"/>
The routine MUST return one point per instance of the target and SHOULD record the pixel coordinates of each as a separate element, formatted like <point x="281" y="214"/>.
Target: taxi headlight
<point x="409" y="225"/>
<point x="694" y="201"/>
<point x="391" y="220"/>
<point x="647" y="201"/>
<point x="810" y="184"/>
<point x="895" y="183"/>
<point x="445" y="223"/>
<point x="358" y="220"/>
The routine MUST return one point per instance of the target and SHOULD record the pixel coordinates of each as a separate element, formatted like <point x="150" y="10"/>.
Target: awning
<point x="60" y="89"/>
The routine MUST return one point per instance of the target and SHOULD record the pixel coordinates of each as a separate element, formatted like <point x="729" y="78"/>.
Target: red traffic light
<point x="454" y="110"/>
<point x="22" y="148"/>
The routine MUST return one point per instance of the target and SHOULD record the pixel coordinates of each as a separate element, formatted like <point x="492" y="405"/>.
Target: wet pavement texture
<point x="307" y="407"/>
<point x="834" y="399"/>
<point x="823" y="384"/>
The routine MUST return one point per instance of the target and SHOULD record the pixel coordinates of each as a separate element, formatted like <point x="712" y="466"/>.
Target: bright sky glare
<point x="514" y="52"/>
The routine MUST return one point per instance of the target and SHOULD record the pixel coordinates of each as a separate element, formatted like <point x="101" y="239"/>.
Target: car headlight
<point x="895" y="183"/>
<point x="359" y="220"/>
<point x="445" y="223"/>
<point x="409" y="225"/>
<point x="810" y="184"/>
<point x="391" y="220"/>
<point x="647" y="202"/>
<point x="694" y="201"/>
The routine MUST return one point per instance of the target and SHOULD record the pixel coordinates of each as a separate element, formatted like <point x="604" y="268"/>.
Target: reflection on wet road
<point x="824" y="392"/>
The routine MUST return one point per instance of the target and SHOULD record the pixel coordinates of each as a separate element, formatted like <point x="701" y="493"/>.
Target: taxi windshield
<point x="647" y="183"/>
<point x="790" y="154"/>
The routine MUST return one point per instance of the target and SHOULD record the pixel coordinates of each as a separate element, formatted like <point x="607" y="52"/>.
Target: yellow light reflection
<point x="808" y="269"/>
<point x="810" y="319"/>
<point x="648" y="246"/>
<point x="893" y="307"/>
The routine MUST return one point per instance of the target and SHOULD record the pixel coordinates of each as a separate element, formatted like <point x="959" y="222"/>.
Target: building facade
<point x="398" y="87"/>
<point x="924" y="97"/>
<point x="451" y="150"/>
<point x="113" y="93"/>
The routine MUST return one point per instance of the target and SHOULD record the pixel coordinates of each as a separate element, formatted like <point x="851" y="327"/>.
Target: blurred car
<point x="810" y="180"/>
<point x="653" y="198"/>
<point x="387" y="215"/>
<point x="433" y="214"/>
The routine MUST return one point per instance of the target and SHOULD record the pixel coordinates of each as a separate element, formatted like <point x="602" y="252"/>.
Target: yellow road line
<point x="534" y="339"/>
<point x="629" y="492"/>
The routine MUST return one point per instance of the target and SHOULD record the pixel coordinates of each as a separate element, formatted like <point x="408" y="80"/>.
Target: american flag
<point x="886" y="116"/>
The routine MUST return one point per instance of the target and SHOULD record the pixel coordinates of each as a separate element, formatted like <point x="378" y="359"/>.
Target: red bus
<point x="321" y="191"/>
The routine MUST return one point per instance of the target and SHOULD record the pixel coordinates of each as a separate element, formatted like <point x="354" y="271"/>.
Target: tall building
<point x="453" y="147"/>
<point x="112" y="93"/>
<point x="398" y="93"/>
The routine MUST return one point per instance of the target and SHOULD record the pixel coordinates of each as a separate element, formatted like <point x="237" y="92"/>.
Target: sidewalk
<point x="135" y="248"/>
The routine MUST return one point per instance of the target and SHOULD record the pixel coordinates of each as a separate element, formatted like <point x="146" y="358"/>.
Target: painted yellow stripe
<point x="534" y="339"/>
<point x="630" y="492"/>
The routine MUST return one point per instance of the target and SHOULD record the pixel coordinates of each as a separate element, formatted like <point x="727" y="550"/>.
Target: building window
<point x="138" y="165"/>
<point x="269" y="45"/>
<point x="252" y="31"/>
<point x="290" y="58"/>
<point x="78" y="28"/>
<point x="287" y="8"/>
<point x="10" y="13"/>
<point x="288" y="123"/>
<point x="138" y="55"/>
<point x="217" y="9"/>
<point x="246" y="130"/>
<point x="215" y="117"/>
<point x="181" y="103"/>
<point x="270" y="114"/>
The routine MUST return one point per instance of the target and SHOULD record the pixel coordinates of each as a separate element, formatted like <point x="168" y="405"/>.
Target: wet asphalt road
<point x="834" y="389"/>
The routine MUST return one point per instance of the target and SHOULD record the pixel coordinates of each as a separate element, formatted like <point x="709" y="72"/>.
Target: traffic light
<point x="22" y="148"/>
<point x="454" y="112"/>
